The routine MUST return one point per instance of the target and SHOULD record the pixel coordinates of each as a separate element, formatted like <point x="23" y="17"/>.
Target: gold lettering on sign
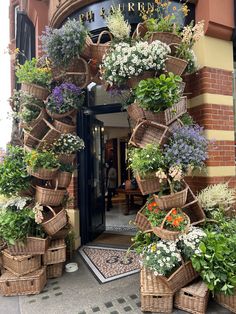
<point x="131" y="7"/>
<point x="102" y="13"/>
<point x="82" y="18"/>
<point x="151" y="7"/>
<point x="90" y="16"/>
<point x="141" y="6"/>
<point x="121" y="6"/>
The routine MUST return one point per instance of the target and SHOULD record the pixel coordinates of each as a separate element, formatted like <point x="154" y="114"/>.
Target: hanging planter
<point x="140" y="31"/>
<point x="35" y="90"/>
<point x="141" y="220"/>
<point x="98" y="50"/>
<point x="148" y="185"/>
<point x="67" y="158"/>
<point x="47" y="196"/>
<point x="64" y="179"/>
<point x="56" y="222"/>
<point x="133" y="81"/>
<point x="42" y="115"/>
<point x="165" y="37"/>
<point x="43" y="173"/>
<point x="61" y="115"/>
<point x="64" y="127"/>
<point x="175" y="65"/>
<point x="177" y="199"/>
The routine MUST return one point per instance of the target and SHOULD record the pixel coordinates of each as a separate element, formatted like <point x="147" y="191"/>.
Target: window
<point x="16" y="9"/>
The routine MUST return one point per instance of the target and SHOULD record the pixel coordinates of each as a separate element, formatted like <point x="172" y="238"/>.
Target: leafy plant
<point x="186" y="119"/>
<point x="29" y="72"/>
<point x="117" y="25"/>
<point x="216" y="262"/>
<point x="158" y="94"/>
<point x="68" y="144"/>
<point x="63" y="44"/>
<point x="146" y="161"/>
<point x="142" y="240"/>
<point x="45" y="159"/>
<point x="13" y="175"/>
<point x="65" y="97"/>
<point x="67" y="168"/>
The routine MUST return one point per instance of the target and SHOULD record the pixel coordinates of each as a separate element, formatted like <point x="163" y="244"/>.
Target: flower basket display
<point x="54" y="270"/>
<point x="57" y="222"/>
<point x="175" y="65"/>
<point x="56" y="253"/>
<point x="171" y="235"/>
<point x="42" y="173"/>
<point x="151" y="284"/>
<point x="67" y="158"/>
<point x="42" y="115"/>
<point x="86" y="52"/>
<point x="141" y="220"/>
<point x="35" y="90"/>
<point x="156" y="303"/>
<point x="20" y="265"/>
<point x="148" y="132"/>
<point x="65" y="126"/>
<point x="32" y="283"/>
<point x="64" y="179"/>
<point x="193" y="298"/>
<point x="134" y="80"/>
<point x="61" y="115"/>
<point x="98" y="50"/>
<point x="165" y="37"/>
<point x="32" y="246"/>
<point x="148" y="185"/>
<point x="140" y="31"/>
<point x="177" y="124"/>
<point x="177" y="199"/>
<point x="166" y="117"/>
<point x="227" y="301"/>
<point x="42" y="135"/>
<point x="48" y="196"/>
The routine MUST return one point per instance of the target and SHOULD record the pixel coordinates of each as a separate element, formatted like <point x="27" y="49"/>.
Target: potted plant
<point x="42" y="165"/>
<point x="64" y="100"/>
<point x="145" y="162"/>
<point x="65" y="44"/>
<point x="158" y="99"/>
<point x="14" y="178"/>
<point x="64" y="175"/>
<point x="67" y="146"/>
<point x="34" y="79"/>
<point x="125" y="63"/>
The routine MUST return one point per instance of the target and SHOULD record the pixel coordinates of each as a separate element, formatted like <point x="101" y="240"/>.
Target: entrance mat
<point x="109" y="264"/>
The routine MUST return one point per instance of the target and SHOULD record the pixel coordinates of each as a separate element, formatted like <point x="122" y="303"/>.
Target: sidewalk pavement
<point x="80" y="293"/>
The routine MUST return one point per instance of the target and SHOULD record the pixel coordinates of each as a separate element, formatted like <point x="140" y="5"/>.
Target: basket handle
<point x="101" y="34"/>
<point x="137" y="32"/>
<point x="51" y="209"/>
<point x="56" y="186"/>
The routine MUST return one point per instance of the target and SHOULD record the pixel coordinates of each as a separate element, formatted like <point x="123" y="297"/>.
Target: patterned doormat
<point x="108" y="264"/>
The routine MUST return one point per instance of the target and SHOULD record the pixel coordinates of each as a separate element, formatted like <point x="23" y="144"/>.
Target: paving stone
<point x="58" y="293"/>
<point x="109" y="304"/>
<point x="121" y="300"/>
<point x="56" y="288"/>
<point x="133" y="296"/>
<point x="114" y="312"/>
<point x="127" y="309"/>
<point x="45" y="297"/>
<point x="96" y="309"/>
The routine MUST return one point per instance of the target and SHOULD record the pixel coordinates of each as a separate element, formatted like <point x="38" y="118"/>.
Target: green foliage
<point x="142" y="240"/>
<point x="186" y="119"/>
<point x="158" y="94"/>
<point x="67" y="168"/>
<point x="13" y="175"/>
<point x="29" y="72"/>
<point x="17" y="225"/>
<point x="146" y="160"/>
<point x="44" y="159"/>
<point x="216" y="262"/>
<point x="163" y="25"/>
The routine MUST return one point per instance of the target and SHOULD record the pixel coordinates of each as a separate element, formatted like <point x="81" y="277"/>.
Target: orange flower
<point x="149" y="207"/>
<point x="174" y="211"/>
<point x="175" y="223"/>
<point x="156" y="211"/>
<point x="169" y="218"/>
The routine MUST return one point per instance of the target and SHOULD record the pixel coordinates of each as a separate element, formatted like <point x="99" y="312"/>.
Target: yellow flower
<point x="153" y="248"/>
<point x="17" y="50"/>
<point x="174" y="8"/>
<point x="185" y="9"/>
<point x="144" y="17"/>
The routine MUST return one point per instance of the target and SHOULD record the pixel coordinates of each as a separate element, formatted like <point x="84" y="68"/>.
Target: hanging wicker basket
<point x="177" y="199"/>
<point x="170" y="235"/>
<point x="176" y="125"/>
<point x="149" y="132"/>
<point x="98" y="50"/>
<point x="148" y="185"/>
<point x="42" y="115"/>
<point x="140" y="31"/>
<point x="66" y="158"/>
<point x="49" y="197"/>
<point x="61" y="115"/>
<point x="56" y="223"/>
<point x="175" y="65"/>
<point x="133" y="81"/>
<point x="141" y="220"/>
<point x="165" y="117"/>
<point x="32" y="246"/>
<point x="64" y="127"/>
<point x="64" y="179"/>
<point x="42" y="173"/>
<point x="86" y="53"/>
<point x="165" y="37"/>
<point x="35" y="90"/>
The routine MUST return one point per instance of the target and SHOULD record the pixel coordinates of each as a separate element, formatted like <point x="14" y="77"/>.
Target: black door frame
<point x="83" y="124"/>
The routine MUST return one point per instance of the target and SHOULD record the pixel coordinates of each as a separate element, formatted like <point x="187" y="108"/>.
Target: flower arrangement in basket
<point x="64" y="175"/>
<point x="35" y="78"/>
<point x="64" y="100"/>
<point x="125" y="62"/>
<point x="43" y="165"/>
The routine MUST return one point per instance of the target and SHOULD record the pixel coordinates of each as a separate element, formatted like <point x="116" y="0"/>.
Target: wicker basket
<point x="193" y="298"/>
<point x="51" y="197"/>
<point x="61" y="234"/>
<point x="35" y="90"/>
<point x="56" y="223"/>
<point x="166" y="117"/>
<point x="32" y="283"/>
<point x="157" y="303"/>
<point x="151" y="284"/>
<point x="42" y="173"/>
<point x="20" y="265"/>
<point x="64" y="179"/>
<point x="42" y="115"/>
<point x="64" y="127"/>
<point x="60" y="115"/>
<point x="165" y="37"/>
<point x="56" y="253"/>
<point x="148" y="132"/>
<point x="55" y="270"/>
<point x="134" y="80"/>
<point x="31" y="246"/>
<point x="166" y="234"/>
<point x="181" y="277"/>
<point x="98" y="50"/>
<point x="43" y="135"/>
<point x="175" y="65"/>
<point x="140" y="31"/>
<point x="174" y="126"/>
<point x="141" y="220"/>
<point x="66" y="158"/>
<point x="173" y="200"/>
<point x="86" y="53"/>
<point x="148" y="185"/>
<point x="227" y="301"/>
